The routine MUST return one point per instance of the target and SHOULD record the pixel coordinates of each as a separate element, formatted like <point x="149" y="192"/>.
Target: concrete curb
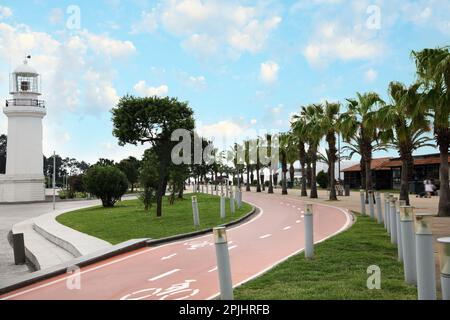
<point x="106" y="253"/>
<point x="79" y="262"/>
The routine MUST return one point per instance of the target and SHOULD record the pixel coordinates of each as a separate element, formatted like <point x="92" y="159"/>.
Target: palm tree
<point x="357" y="123"/>
<point x="312" y="131"/>
<point x="404" y="133"/>
<point x="433" y="70"/>
<point x="330" y="126"/>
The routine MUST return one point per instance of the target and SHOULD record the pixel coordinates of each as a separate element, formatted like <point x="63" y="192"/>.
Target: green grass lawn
<point x="339" y="270"/>
<point x="128" y="220"/>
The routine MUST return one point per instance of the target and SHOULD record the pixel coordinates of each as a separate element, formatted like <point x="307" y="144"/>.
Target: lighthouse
<point x="23" y="180"/>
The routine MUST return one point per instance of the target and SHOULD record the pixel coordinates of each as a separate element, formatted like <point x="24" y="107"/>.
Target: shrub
<point x="107" y="183"/>
<point x="322" y="179"/>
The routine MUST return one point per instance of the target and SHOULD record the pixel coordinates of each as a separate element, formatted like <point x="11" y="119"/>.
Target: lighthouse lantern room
<point x="24" y="178"/>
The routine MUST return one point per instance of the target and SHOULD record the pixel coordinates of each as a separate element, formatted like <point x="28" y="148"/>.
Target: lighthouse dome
<point x="25" y="69"/>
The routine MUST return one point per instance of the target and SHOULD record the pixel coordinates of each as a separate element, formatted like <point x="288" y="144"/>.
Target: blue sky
<point x="242" y="65"/>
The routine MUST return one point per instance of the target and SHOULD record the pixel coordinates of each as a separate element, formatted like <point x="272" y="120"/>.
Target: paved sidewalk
<point x="11" y="214"/>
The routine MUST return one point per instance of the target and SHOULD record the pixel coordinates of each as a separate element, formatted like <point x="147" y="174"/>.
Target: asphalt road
<point x="187" y="269"/>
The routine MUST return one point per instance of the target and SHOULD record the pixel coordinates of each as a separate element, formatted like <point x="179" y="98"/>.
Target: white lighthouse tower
<point x="24" y="178"/>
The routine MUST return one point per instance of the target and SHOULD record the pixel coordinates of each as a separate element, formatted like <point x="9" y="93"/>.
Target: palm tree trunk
<point x="292" y="174"/>
<point x="248" y="179"/>
<point x="304" y="191"/>
<point x="258" y="185"/>
<point x="444" y="192"/>
<point x="308" y="175"/>
<point x="302" y="156"/>
<point x="262" y="182"/>
<point x="331" y="138"/>
<point x="283" y="175"/>
<point x="313" y="181"/>
<point x="270" y="190"/>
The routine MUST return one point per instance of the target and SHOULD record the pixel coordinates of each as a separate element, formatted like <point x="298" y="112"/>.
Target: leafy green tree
<point x="105" y="162"/>
<point x="76" y="184"/>
<point x="433" y="70"/>
<point x="152" y="120"/>
<point x="107" y="183"/>
<point x="130" y="167"/>
<point x="322" y="179"/>
<point x="148" y="178"/>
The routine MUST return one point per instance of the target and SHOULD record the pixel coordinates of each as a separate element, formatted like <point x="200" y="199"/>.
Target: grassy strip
<point x="338" y="272"/>
<point x="128" y="220"/>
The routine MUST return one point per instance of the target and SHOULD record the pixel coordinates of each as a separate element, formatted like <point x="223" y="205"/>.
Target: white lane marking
<point x="287" y="228"/>
<point x="302" y="216"/>
<point x="232" y="247"/>
<point x="168" y="257"/>
<point x="260" y="214"/>
<point x="302" y="212"/>
<point x="212" y="270"/>
<point x="281" y="202"/>
<point x="265" y="236"/>
<point x="299" y="209"/>
<point x="164" y="275"/>
<point x="298" y="221"/>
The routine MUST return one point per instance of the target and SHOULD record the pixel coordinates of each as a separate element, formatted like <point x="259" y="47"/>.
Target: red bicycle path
<point x="186" y="269"/>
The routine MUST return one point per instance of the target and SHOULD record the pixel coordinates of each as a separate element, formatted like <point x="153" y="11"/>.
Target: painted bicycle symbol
<point x="179" y="291"/>
<point x="197" y="245"/>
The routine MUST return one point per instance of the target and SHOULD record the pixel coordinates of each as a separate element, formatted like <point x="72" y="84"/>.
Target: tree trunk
<point x="444" y="192"/>
<point x="302" y="156"/>
<point x="248" y="179"/>
<point x="313" y="177"/>
<point x="162" y="184"/>
<point x="270" y="182"/>
<point x="258" y="185"/>
<point x="331" y="138"/>
<point x="308" y="175"/>
<point x="292" y="173"/>
<point x="263" y="187"/>
<point x="283" y="177"/>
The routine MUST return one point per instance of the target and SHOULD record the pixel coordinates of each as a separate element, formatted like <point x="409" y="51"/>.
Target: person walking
<point x="429" y="188"/>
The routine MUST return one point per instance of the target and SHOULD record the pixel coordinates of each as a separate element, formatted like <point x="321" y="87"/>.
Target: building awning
<point x="389" y="163"/>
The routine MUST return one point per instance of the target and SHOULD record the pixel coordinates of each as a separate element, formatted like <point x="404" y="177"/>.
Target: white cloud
<point x="5" y="12"/>
<point x="197" y="82"/>
<point x="370" y="75"/>
<point x="223" y="132"/>
<point x="206" y="26"/>
<point x="107" y="46"/>
<point x="99" y="91"/>
<point x="147" y="24"/>
<point x="253" y="121"/>
<point x="332" y="42"/>
<point x="147" y="91"/>
<point x="269" y="72"/>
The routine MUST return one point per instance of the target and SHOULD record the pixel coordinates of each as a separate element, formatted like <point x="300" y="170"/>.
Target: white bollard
<point x="379" y="212"/>
<point x="393" y="220"/>
<point x="386" y="210"/>
<point x="222" y="206"/>
<point x="232" y="207"/>
<point x="444" y="261"/>
<point x="363" y="202"/>
<point x="426" y="274"/>
<point x="371" y="206"/>
<point x="408" y="244"/>
<point x="399" y="236"/>
<point x="195" y="212"/>
<point x="309" y="231"/>
<point x="223" y="263"/>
